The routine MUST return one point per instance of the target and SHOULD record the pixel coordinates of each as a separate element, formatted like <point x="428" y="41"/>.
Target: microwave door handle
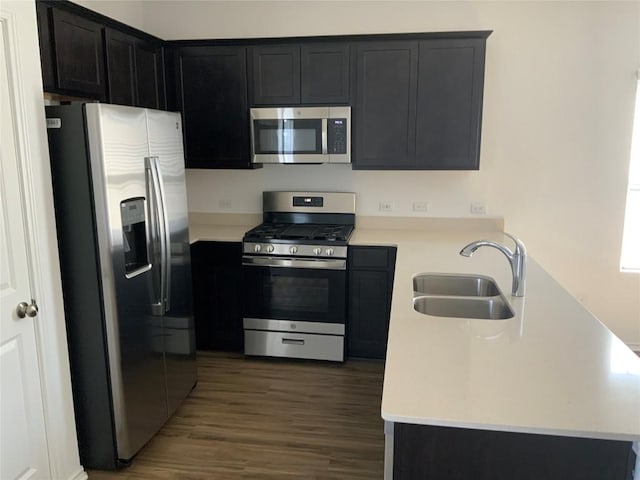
<point x="325" y="149"/>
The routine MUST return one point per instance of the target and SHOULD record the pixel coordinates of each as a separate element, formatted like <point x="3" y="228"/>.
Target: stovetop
<point x="300" y="233"/>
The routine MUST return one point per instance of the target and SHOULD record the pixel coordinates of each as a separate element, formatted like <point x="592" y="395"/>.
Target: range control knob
<point x="270" y="248"/>
<point x="317" y="251"/>
<point x="293" y="250"/>
<point x="257" y="247"/>
<point x="329" y="251"/>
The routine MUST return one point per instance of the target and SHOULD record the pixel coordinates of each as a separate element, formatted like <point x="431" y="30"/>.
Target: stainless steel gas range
<point x="295" y="269"/>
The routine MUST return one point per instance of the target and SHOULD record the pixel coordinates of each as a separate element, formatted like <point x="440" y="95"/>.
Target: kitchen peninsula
<point x="552" y="388"/>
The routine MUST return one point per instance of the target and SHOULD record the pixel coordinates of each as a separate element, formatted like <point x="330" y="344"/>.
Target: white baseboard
<point x="79" y="475"/>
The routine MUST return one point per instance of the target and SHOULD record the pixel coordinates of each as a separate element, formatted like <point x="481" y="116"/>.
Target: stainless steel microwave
<point x="301" y="135"/>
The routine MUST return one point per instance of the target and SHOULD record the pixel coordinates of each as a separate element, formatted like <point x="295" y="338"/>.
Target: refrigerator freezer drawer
<point x="294" y="345"/>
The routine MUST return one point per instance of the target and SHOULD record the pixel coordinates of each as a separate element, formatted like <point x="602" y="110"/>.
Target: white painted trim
<point x="44" y="269"/>
<point x="79" y="475"/>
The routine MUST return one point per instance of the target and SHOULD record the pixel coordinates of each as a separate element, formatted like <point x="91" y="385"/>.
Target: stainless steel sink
<point x="490" y="308"/>
<point x="462" y="296"/>
<point x="456" y="285"/>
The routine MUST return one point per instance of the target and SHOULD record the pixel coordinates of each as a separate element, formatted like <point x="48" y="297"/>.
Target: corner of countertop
<point x="221" y="227"/>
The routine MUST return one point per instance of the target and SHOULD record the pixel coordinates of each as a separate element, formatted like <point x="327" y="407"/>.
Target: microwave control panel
<point x="337" y="135"/>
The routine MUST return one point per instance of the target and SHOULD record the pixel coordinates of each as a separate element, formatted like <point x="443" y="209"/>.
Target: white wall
<point x="558" y="106"/>
<point x="126" y="11"/>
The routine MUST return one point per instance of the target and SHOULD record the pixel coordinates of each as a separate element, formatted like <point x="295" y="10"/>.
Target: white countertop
<point x="217" y="233"/>
<point x="552" y="369"/>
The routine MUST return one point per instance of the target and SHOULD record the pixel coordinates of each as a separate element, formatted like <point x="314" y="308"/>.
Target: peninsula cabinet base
<point x="441" y="453"/>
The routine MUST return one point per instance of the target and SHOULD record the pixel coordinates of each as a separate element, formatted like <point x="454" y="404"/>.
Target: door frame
<point x="27" y="102"/>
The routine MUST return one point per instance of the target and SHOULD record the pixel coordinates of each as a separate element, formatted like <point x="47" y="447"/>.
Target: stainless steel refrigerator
<point x="121" y="217"/>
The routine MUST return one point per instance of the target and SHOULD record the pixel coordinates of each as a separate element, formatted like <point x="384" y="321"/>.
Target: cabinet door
<point x="212" y="95"/>
<point x="149" y="76"/>
<point x="325" y="74"/>
<point x="121" y="67"/>
<point x="79" y="55"/>
<point x="275" y="75"/>
<point x="217" y="290"/>
<point x="371" y="271"/>
<point x="384" y="128"/>
<point x="46" y="51"/>
<point x="449" y="104"/>
<point x="432" y="452"/>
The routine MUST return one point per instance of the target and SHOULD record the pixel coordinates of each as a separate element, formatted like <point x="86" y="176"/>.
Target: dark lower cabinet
<point x="423" y="452"/>
<point x="371" y="271"/>
<point x="217" y="292"/>
<point x="211" y="92"/>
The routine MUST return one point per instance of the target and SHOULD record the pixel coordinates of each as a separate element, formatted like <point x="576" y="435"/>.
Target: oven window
<point x="316" y="295"/>
<point x="288" y="136"/>
<point x="295" y="294"/>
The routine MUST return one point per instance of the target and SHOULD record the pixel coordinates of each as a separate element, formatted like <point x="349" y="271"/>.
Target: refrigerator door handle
<point x="157" y="234"/>
<point x="165" y="238"/>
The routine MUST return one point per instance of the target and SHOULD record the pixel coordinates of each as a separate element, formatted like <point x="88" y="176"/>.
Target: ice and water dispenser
<point x="136" y="256"/>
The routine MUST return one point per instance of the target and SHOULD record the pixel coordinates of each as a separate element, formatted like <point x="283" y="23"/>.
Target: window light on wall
<point x="630" y="259"/>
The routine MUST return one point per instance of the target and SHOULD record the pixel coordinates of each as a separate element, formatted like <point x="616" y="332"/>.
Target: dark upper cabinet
<point x="46" y="43"/>
<point x="300" y="74"/>
<point x="325" y="73"/>
<point x="371" y="272"/>
<point x="134" y="71"/>
<point x="84" y="54"/>
<point x="121" y="67"/>
<point x="150" y="75"/>
<point x="275" y="75"/>
<point x="79" y="55"/>
<point x="385" y="107"/>
<point x="211" y="91"/>
<point x="419" y="104"/>
<point x="449" y="104"/>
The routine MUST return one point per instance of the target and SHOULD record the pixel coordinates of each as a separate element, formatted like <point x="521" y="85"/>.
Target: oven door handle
<point x="319" y="263"/>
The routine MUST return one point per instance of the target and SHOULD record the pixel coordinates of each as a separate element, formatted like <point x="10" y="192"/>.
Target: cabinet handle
<point x="292" y="341"/>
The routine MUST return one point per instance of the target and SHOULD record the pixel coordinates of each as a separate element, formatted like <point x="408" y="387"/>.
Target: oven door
<point x="310" y="290"/>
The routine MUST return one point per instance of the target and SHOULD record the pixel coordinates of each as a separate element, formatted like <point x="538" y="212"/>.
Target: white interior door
<point x="23" y="448"/>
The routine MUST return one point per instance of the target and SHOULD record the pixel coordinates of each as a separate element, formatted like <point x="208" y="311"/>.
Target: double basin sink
<point x="461" y="296"/>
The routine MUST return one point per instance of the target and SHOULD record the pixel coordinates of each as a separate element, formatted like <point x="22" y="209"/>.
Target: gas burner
<point x="303" y="224"/>
<point x="300" y="232"/>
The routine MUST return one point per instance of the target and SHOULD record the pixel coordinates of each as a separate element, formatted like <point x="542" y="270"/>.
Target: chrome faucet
<point x="517" y="260"/>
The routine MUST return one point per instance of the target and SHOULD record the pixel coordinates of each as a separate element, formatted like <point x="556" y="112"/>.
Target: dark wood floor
<point x="270" y="419"/>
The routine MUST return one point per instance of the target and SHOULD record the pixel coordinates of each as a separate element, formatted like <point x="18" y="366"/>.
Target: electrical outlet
<point x="420" y="206"/>
<point x="478" y="208"/>
<point x="224" y="204"/>
<point x="385" y="206"/>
